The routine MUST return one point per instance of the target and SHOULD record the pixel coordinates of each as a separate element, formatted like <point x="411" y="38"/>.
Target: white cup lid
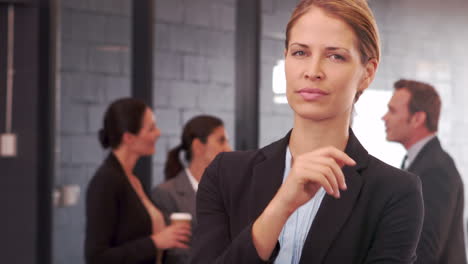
<point x="181" y="216"/>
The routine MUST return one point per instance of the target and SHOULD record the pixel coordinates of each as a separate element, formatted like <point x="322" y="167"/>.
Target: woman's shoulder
<point x="239" y="157"/>
<point x="392" y="193"/>
<point x="170" y="185"/>
<point x="233" y="168"/>
<point x="248" y="158"/>
<point x="390" y="178"/>
<point x="107" y="175"/>
<point x="235" y="164"/>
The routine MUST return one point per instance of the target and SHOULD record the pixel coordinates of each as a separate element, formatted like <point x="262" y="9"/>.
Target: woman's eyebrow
<point x="299" y="44"/>
<point x="336" y="48"/>
<point x="331" y="48"/>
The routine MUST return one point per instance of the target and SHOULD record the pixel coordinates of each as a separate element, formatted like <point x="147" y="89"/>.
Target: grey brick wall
<point x="275" y="119"/>
<point x="94" y="71"/>
<point x="193" y="74"/>
<point x="194" y="68"/>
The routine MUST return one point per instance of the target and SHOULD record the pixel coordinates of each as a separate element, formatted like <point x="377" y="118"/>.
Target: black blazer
<point x="377" y="220"/>
<point x="118" y="226"/>
<point x="172" y="196"/>
<point x="442" y="237"/>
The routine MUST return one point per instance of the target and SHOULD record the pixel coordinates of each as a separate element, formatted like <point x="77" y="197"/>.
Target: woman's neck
<point x="127" y="159"/>
<point x="197" y="168"/>
<point x="308" y="135"/>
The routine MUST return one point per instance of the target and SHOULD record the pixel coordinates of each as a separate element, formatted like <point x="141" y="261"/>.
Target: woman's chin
<point x="320" y="113"/>
<point x="311" y="113"/>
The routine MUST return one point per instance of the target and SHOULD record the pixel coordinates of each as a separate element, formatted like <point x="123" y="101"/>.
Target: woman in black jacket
<point x="315" y="196"/>
<point x="122" y="225"/>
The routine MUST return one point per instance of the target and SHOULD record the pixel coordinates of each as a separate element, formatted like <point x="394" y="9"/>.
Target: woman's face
<point x="216" y="142"/>
<point x="323" y="67"/>
<point x="144" y="142"/>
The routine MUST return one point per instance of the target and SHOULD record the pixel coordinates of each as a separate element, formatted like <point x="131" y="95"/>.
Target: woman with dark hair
<point x="122" y="225"/>
<point x="316" y="195"/>
<point x="203" y="137"/>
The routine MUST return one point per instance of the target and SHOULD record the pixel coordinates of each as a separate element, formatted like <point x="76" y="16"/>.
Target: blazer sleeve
<point x="399" y="227"/>
<point x="163" y="200"/>
<point x="455" y="251"/>
<point x="440" y="200"/>
<point x="212" y="241"/>
<point x="102" y="206"/>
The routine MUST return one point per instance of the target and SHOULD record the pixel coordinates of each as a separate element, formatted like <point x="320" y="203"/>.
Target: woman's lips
<point x="310" y="94"/>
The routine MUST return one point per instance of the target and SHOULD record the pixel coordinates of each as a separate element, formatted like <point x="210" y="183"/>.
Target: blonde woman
<point x="315" y="196"/>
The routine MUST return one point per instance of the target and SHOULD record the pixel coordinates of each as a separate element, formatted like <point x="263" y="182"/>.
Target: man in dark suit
<point x="412" y="120"/>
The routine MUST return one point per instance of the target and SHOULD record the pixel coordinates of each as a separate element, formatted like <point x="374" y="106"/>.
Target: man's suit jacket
<point x="377" y="220"/>
<point x="442" y="237"/>
<point x="175" y="195"/>
<point x="118" y="226"/>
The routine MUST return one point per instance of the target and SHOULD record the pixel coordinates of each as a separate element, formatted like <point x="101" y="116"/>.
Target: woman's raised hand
<point x="309" y="172"/>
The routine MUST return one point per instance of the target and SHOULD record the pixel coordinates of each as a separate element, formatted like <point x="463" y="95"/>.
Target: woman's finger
<point x="327" y="172"/>
<point x="322" y="168"/>
<point x="180" y="245"/>
<point x="336" y="172"/>
<point x="317" y="178"/>
<point x="331" y="162"/>
<point x="339" y="156"/>
<point x="183" y="232"/>
<point x="183" y="238"/>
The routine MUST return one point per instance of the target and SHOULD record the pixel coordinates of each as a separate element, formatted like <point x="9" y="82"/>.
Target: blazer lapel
<point x="185" y="191"/>
<point x="333" y="213"/>
<point x="268" y="175"/>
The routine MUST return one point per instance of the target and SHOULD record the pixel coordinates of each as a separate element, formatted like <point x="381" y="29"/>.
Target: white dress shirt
<point x="192" y="179"/>
<point x="414" y="150"/>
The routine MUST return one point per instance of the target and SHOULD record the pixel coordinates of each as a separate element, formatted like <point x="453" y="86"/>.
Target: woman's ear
<point x="197" y="147"/>
<point x="127" y="138"/>
<point x="369" y="74"/>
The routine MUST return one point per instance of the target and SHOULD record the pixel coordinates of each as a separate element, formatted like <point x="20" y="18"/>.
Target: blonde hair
<point x="355" y="13"/>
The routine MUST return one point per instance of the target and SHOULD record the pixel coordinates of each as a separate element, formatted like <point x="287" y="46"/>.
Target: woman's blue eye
<point x="299" y="53"/>
<point x="337" y="57"/>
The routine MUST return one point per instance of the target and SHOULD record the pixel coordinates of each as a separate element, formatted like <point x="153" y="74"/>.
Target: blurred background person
<point x="412" y="120"/>
<point x="122" y="225"/>
<point x="203" y="137"/>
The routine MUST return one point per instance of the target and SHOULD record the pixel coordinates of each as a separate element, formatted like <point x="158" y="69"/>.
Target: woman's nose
<point x="314" y="70"/>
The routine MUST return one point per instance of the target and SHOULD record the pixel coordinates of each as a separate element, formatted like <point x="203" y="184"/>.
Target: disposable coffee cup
<point x="181" y="218"/>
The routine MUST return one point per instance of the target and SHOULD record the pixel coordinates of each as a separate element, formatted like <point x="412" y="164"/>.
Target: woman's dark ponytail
<point x="173" y="165"/>
<point x="199" y="127"/>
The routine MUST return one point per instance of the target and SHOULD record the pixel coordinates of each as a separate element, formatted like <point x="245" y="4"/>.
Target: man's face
<point x="398" y="118"/>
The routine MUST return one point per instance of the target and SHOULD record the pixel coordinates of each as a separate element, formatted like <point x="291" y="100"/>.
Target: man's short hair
<point x="424" y="98"/>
